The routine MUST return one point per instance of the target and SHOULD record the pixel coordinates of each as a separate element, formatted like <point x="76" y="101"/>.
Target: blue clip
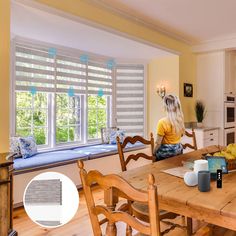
<point x="71" y="92"/>
<point x="52" y="52"/>
<point x="84" y="58"/>
<point x="110" y="64"/>
<point x="33" y="90"/>
<point x="100" y="92"/>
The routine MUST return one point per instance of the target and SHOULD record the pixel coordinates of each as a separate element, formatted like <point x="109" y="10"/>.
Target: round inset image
<point x="51" y="199"/>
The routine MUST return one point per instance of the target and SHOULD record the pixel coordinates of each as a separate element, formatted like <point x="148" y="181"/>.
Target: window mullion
<point x="53" y="107"/>
<point x="32" y="115"/>
<point x="85" y="133"/>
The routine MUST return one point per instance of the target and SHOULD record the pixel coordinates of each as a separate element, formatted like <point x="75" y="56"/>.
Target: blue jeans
<point x="168" y="150"/>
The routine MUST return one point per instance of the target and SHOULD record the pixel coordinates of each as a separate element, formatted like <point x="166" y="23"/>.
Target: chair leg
<point x="111" y="229"/>
<point x="128" y="230"/>
<point x="189" y="226"/>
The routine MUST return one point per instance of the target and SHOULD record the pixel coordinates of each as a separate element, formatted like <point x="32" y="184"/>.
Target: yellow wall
<point x="162" y="71"/>
<point x="4" y="74"/>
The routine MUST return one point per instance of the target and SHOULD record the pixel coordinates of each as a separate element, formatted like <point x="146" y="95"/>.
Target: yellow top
<point x="164" y="128"/>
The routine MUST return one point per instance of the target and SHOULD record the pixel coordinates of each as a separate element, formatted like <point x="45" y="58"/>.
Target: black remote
<point x="219" y="178"/>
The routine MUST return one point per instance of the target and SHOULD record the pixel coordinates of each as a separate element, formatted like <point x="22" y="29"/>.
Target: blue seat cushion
<point x="82" y="153"/>
<point x="47" y="158"/>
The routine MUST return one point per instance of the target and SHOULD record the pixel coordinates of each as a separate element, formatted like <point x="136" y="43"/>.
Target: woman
<point x="170" y="129"/>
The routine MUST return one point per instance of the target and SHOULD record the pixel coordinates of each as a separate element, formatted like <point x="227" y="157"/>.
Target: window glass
<point x="97" y="115"/>
<point x="68" y="114"/>
<point x="32" y="116"/>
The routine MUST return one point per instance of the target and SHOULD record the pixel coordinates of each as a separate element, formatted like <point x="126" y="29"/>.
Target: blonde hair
<point x="174" y="113"/>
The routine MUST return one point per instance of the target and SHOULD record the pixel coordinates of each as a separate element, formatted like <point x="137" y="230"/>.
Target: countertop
<point x="204" y="128"/>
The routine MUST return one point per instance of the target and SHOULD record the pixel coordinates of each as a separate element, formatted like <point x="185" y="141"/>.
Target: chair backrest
<point x="121" y="146"/>
<point x="194" y="142"/>
<point x="122" y="189"/>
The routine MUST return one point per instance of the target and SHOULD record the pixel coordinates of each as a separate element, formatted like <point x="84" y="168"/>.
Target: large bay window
<point x="63" y="100"/>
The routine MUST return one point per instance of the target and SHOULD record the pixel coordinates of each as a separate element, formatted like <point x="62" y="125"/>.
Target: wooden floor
<point x="78" y="226"/>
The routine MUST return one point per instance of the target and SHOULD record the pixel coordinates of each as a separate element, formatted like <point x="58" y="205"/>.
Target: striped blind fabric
<point x="130" y="99"/>
<point x="70" y="72"/>
<point x="34" y="67"/>
<point x="44" y="192"/>
<point x="99" y="78"/>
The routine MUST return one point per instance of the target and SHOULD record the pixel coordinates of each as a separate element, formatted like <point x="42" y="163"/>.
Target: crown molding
<point x="109" y="7"/>
<point x="225" y="43"/>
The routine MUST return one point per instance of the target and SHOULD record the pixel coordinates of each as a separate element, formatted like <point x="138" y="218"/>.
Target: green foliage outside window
<point x="31" y="115"/>
<point x="97" y="115"/>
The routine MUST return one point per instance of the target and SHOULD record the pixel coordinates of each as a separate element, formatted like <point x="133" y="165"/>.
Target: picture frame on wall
<point x="188" y="90"/>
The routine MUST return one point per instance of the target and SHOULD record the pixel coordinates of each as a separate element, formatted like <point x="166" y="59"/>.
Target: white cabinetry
<point x="204" y="137"/>
<point x="230" y="72"/>
<point x="207" y="137"/>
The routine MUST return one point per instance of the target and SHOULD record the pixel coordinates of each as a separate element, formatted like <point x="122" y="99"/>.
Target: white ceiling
<point x="193" y="20"/>
<point x="39" y="25"/>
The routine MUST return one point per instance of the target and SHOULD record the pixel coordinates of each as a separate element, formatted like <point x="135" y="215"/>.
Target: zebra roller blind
<point x="36" y="67"/>
<point x="130" y="99"/>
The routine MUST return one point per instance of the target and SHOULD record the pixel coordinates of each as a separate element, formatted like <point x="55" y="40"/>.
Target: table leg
<point x="189" y="226"/>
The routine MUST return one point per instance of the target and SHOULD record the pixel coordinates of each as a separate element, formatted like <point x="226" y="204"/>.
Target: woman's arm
<point x="157" y="143"/>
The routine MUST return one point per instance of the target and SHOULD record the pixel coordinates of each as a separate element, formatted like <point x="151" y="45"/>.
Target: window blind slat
<point x="33" y="52"/>
<point x="65" y="90"/>
<point x="71" y="67"/>
<point x="40" y="89"/>
<point x="129" y="74"/>
<point x="109" y="86"/>
<point x="132" y="82"/>
<point x="35" y="80"/>
<point x="130" y="109"/>
<point x="94" y="78"/>
<point x="95" y="92"/>
<point x="131" y="103"/>
<point x="127" y="95"/>
<point x="76" y="83"/>
<point x="34" y="70"/>
<point x="34" y="61"/>
<point x="71" y="75"/>
<point x="99" y="72"/>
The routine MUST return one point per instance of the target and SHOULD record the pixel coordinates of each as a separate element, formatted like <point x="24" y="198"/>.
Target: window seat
<point x="51" y="159"/>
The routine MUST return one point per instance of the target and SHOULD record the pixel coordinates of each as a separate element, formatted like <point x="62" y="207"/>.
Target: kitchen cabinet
<point x="204" y="136"/>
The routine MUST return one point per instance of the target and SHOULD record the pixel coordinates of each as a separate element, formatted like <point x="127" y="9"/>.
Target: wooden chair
<point x="140" y="210"/>
<point x="121" y="146"/>
<point x="194" y="142"/>
<point x="125" y="190"/>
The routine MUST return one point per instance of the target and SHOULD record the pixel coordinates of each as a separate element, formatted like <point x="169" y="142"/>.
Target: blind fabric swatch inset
<point x="44" y="192"/>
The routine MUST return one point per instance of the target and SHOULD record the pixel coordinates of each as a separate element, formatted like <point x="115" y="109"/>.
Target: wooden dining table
<point x="218" y="206"/>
